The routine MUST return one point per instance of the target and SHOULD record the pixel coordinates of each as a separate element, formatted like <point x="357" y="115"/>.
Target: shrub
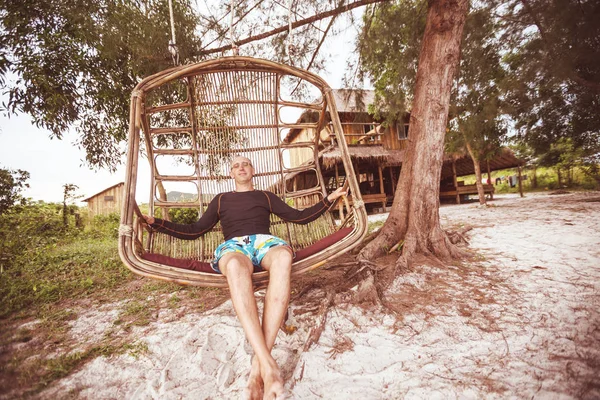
<point x="104" y="226"/>
<point x="43" y="261"/>
<point x="183" y="215"/>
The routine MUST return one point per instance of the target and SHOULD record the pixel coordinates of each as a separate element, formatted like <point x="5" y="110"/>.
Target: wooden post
<point x="520" y="183"/>
<point x="455" y="181"/>
<point x="381" y="189"/>
<point x="489" y="178"/>
<point x="393" y="180"/>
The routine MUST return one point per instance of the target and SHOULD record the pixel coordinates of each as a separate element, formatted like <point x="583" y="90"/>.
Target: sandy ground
<point x="522" y="321"/>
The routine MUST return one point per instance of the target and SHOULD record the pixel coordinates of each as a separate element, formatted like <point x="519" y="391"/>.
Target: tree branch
<point x="317" y="17"/>
<point x="573" y="75"/>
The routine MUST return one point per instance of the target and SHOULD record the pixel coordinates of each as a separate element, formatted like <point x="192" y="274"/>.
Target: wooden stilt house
<point x="377" y="153"/>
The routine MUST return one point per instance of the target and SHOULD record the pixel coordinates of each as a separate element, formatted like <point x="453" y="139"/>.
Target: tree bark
<point x="415" y="211"/>
<point x="162" y="195"/>
<point x="477" y="167"/>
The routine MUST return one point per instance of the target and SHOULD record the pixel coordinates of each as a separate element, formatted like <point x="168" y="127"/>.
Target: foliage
<point x="28" y="226"/>
<point x="389" y="46"/>
<point x="77" y="62"/>
<point x="545" y="179"/>
<point x="11" y="185"/>
<point x="43" y="261"/>
<point x="475" y="115"/>
<point x="73" y="65"/>
<point x="183" y="215"/>
<point x="68" y="195"/>
<point x="104" y="226"/>
<point x="552" y="56"/>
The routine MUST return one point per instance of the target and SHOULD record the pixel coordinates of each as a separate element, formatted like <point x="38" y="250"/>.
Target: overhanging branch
<point x="317" y="17"/>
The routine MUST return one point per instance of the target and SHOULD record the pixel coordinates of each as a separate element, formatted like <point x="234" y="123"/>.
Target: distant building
<point x="107" y="201"/>
<point x="377" y="153"/>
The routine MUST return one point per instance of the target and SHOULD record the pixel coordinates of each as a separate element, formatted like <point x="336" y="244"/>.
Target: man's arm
<point x="290" y="214"/>
<point x="188" y="231"/>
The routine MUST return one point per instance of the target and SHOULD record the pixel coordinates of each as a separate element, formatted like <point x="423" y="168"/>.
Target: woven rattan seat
<point x="198" y="117"/>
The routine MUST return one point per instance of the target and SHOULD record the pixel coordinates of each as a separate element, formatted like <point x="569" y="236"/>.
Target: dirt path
<point x="521" y="321"/>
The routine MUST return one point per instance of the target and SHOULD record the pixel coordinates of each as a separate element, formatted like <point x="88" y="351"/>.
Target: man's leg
<point x="278" y="261"/>
<point x="237" y="268"/>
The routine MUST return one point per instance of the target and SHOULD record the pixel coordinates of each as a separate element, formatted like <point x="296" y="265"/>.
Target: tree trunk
<point x="558" y="174"/>
<point x="414" y="216"/>
<point x="570" y="176"/>
<point x="534" y="178"/>
<point x="477" y="167"/>
<point x="162" y="195"/>
<point x="65" y="217"/>
<point x="520" y="177"/>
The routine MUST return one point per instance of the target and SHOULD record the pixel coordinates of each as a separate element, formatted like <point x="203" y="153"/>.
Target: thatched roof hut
<point x="376" y="154"/>
<point x="504" y="159"/>
<point x="372" y="154"/>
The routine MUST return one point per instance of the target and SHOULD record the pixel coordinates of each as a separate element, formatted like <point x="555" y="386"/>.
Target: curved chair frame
<point x="228" y="75"/>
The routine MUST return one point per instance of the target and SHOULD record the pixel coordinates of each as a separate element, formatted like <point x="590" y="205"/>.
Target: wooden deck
<point x="380" y="198"/>
<point x="460" y="193"/>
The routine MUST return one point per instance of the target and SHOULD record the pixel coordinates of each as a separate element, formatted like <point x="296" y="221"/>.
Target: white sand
<point x="521" y="322"/>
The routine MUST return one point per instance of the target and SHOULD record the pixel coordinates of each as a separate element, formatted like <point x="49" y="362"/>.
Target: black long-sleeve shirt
<point x="242" y="214"/>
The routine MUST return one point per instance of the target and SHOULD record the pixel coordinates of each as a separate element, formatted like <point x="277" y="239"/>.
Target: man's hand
<point x="339" y="192"/>
<point x="149" y="220"/>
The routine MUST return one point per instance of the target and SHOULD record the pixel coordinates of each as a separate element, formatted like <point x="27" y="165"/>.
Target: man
<point x="244" y="216"/>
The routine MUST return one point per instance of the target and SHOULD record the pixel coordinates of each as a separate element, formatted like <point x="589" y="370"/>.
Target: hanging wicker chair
<point x="198" y="117"/>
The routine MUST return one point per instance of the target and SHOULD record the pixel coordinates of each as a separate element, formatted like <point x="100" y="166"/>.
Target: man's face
<point x="241" y="169"/>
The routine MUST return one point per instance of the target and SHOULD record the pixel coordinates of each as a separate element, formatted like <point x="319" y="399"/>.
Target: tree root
<point x="367" y="292"/>
<point x="368" y="239"/>
<point x="457" y="237"/>
<point x="315" y="332"/>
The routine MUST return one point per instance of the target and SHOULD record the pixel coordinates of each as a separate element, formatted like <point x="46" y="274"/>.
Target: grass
<point x="61" y="271"/>
<point x="546" y="180"/>
<point x="373" y="226"/>
<point x="50" y="274"/>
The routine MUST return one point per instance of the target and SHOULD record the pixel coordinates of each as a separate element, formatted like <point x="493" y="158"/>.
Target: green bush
<point x="29" y="227"/>
<point x="104" y="226"/>
<point x="183" y="215"/>
<point x="44" y="262"/>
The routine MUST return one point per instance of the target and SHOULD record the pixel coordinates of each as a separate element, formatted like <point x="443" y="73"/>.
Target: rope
<point x="234" y="47"/>
<point x="289" y="45"/>
<point x="172" y="45"/>
<point x="125" y="230"/>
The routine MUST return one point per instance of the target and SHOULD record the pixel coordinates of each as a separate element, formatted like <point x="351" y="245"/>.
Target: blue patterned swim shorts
<point x="255" y="247"/>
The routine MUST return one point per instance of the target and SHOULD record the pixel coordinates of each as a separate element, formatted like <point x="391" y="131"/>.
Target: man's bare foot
<point x="273" y="384"/>
<point x="254" y="387"/>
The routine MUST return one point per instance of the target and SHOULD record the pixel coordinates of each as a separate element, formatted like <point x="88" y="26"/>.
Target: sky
<point x="53" y="163"/>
